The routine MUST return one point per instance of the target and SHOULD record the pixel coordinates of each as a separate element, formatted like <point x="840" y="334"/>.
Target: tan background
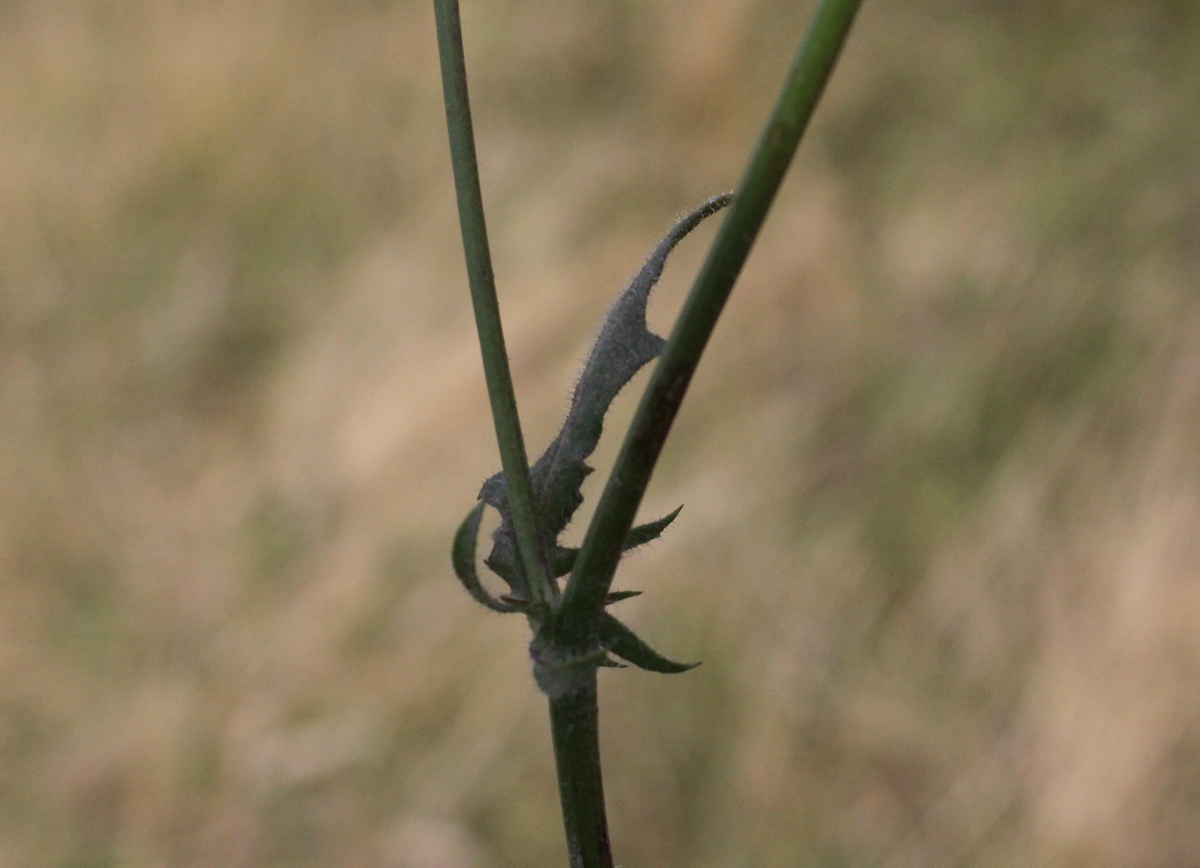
<point x="940" y="471"/>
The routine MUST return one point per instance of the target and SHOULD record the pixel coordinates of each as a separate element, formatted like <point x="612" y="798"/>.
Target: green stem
<point x="583" y="599"/>
<point x="575" y="726"/>
<point x="483" y="297"/>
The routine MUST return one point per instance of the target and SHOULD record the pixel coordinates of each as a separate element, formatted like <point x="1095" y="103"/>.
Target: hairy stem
<point x="592" y="575"/>
<point x="483" y="297"/>
<point x="575" y="726"/>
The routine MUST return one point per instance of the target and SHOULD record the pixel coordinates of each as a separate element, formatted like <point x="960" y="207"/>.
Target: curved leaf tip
<point x="620" y="640"/>
<point x="463" y="557"/>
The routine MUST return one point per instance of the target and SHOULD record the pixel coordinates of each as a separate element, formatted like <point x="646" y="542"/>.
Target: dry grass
<point x="940" y="470"/>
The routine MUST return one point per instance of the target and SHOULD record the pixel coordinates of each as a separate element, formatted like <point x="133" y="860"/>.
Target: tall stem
<point x="483" y="297"/>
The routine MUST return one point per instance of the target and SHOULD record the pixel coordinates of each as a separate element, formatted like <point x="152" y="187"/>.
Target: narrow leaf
<point x="463" y="556"/>
<point x="620" y="640"/>
<point x="618" y="596"/>
<point x="563" y="559"/>
<point x="649" y="531"/>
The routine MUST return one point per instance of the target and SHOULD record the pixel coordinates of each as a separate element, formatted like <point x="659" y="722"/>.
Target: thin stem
<point x="574" y="722"/>
<point x="583" y="598"/>
<point x="483" y="297"/>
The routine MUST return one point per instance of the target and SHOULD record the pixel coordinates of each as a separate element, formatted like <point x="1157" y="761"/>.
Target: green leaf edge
<point x="463" y="557"/>
<point x="620" y="640"/>
<point x="564" y="558"/>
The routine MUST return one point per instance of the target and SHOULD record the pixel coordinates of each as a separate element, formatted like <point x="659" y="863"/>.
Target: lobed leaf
<point x="622" y="347"/>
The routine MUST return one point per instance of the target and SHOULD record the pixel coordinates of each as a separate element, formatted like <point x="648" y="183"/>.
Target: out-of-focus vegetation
<point x="941" y="468"/>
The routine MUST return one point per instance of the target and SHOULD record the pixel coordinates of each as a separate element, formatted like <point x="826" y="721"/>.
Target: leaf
<point x="463" y="557"/>
<point x="623" y="345"/>
<point x="620" y="640"/>
<point x="617" y="596"/>
<point x="649" y="531"/>
<point x="563" y="560"/>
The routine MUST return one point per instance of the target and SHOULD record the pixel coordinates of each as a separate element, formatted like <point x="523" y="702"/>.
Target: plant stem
<point x="572" y="626"/>
<point x="574" y="722"/>
<point x="583" y="598"/>
<point x="483" y="297"/>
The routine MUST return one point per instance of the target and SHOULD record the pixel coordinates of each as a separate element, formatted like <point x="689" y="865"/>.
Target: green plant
<point x="573" y="634"/>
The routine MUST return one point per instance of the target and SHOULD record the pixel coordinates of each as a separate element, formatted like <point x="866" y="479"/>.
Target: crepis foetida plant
<point x="622" y="347"/>
<point x="573" y="632"/>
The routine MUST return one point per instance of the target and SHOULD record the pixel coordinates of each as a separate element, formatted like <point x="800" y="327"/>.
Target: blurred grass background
<point x="940" y="468"/>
